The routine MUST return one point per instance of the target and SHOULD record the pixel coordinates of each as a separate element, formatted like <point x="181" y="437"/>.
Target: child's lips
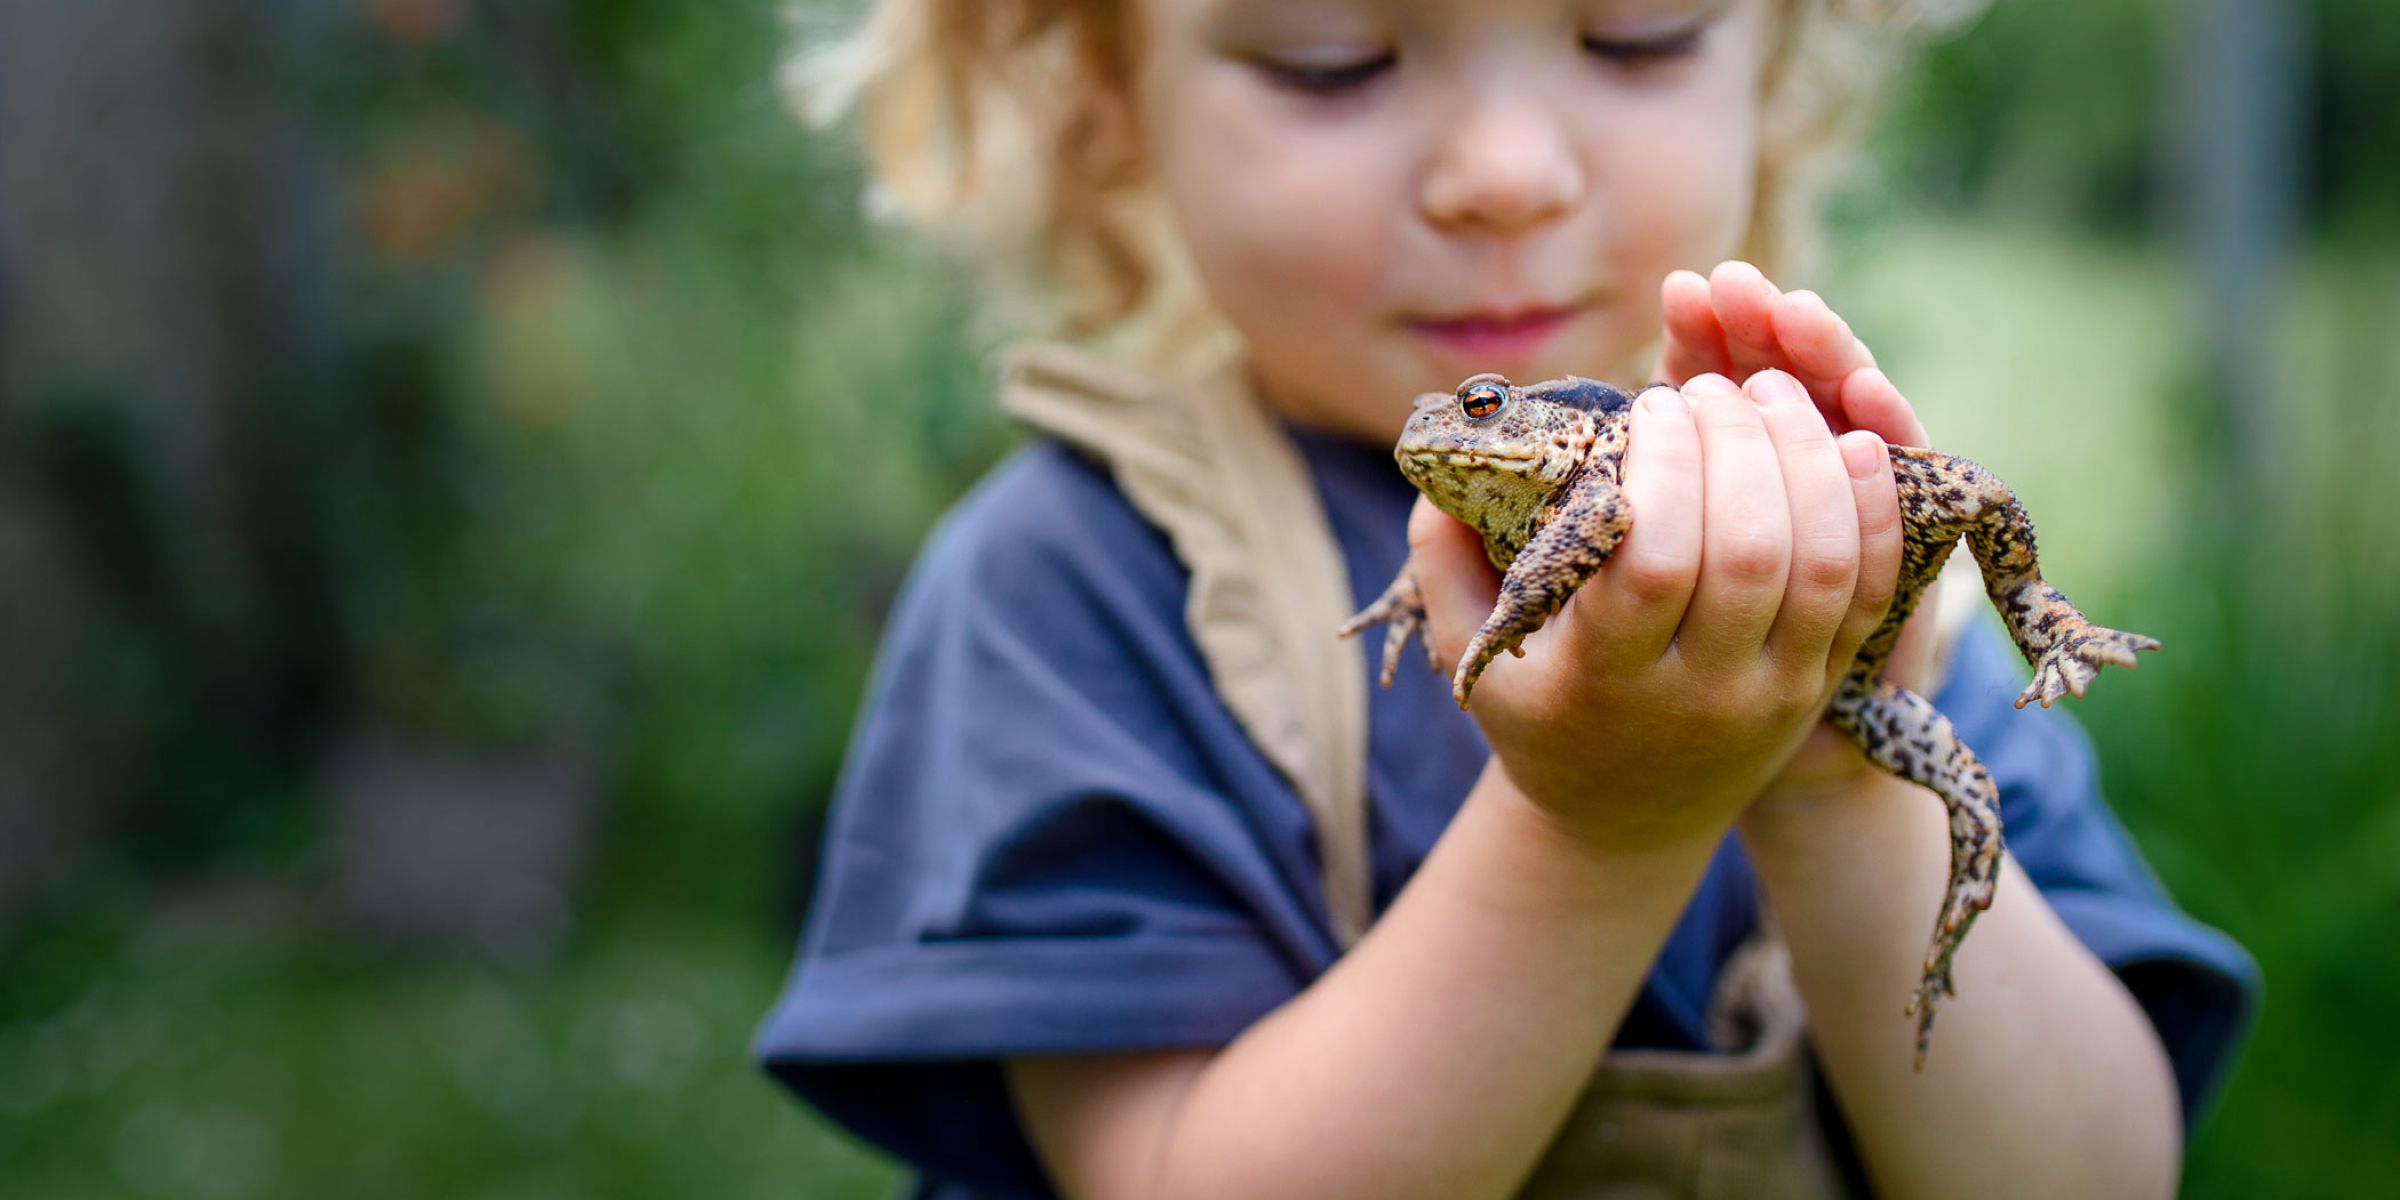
<point x="1495" y="336"/>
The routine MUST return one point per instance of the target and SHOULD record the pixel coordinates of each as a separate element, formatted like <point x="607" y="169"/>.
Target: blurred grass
<point x="178" y="1043"/>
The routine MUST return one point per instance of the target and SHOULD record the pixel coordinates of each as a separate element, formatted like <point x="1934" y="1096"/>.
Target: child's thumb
<point x="1454" y="577"/>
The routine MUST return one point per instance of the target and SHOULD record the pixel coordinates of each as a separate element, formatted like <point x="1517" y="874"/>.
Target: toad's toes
<point x="2078" y="654"/>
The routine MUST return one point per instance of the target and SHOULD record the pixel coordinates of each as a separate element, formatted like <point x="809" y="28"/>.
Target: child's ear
<point x="1108" y="49"/>
<point x="1114" y="154"/>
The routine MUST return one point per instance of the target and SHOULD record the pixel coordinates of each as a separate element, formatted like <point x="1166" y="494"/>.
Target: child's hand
<point x="1735" y="323"/>
<point x="1682" y="677"/>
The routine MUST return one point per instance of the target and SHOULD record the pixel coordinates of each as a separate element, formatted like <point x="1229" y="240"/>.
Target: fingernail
<point x="1665" y="401"/>
<point x="1862" y="453"/>
<point x="1711" y="384"/>
<point x="1775" y="386"/>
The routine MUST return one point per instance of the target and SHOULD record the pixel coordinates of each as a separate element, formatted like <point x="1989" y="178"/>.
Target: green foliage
<point x="2354" y="113"/>
<point x="2046" y="108"/>
<point x="643" y="421"/>
<point x="2065" y="110"/>
<point x="154" y="1055"/>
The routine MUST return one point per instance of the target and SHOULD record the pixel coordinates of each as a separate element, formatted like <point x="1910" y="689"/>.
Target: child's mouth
<point x="1495" y="337"/>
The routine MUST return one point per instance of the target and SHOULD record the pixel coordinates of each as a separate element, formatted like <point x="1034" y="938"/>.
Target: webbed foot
<point x="2077" y="651"/>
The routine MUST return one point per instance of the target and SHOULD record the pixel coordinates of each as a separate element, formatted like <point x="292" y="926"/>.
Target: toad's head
<point x="1490" y="453"/>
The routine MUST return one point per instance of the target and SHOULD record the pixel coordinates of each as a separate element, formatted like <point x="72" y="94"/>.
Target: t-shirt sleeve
<point x="2198" y="986"/>
<point x="1048" y="837"/>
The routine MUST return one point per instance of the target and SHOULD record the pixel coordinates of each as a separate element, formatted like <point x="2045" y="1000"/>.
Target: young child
<point x="1135" y="887"/>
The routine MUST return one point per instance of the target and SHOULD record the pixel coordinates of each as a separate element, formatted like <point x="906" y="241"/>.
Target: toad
<point x="1534" y="470"/>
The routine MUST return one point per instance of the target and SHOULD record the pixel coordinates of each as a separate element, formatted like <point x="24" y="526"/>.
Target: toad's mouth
<point x="1517" y="463"/>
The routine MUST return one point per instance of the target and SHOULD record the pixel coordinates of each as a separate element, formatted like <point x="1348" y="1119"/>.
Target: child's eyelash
<point x="1645" y="50"/>
<point x="1336" y="77"/>
<point x="1342" y="77"/>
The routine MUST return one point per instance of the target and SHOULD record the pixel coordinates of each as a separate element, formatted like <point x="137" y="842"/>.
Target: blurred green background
<point x="454" y="457"/>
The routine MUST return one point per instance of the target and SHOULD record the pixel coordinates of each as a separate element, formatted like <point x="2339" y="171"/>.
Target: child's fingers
<point x="1870" y="402"/>
<point x="1454" y="577"/>
<point x="1744" y="303"/>
<point x="1694" y="345"/>
<point x="1647" y="583"/>
<point x="1819" y="344"/>
<point x="1745" y="530"/>
<point x="1824" y="521"/>
<point x="1876" y="498"/>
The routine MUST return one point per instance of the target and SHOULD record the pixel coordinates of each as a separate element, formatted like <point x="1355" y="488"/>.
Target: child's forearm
<point x="2044" y="1077"/>
<point x="1436" y="1059"/>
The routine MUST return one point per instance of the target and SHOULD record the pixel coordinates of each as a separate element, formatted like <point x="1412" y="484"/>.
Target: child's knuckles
<point x="1873" y="592"/>
<point x="1824" y="563"/>
<point x="1749" y="557"/>
<point x="1654" y="579"/>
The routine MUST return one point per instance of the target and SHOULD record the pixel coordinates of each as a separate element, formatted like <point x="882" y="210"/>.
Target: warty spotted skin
<point x="1534" y="469"/>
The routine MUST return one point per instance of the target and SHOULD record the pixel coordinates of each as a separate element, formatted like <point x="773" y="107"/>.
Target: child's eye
<point x="1638" y="51"/>
<point x="1326" y="77"/>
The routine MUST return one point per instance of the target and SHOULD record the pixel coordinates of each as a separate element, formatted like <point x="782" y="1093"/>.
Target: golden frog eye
<point x="1481" y="400"/>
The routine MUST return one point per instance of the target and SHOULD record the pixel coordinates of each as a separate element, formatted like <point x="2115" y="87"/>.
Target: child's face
<point x="1386" y="196"/>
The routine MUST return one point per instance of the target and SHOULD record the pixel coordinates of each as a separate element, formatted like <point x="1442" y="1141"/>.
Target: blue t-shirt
<point x="1051" y="835"/>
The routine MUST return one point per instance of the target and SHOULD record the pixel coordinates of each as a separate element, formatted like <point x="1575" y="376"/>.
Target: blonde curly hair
<point x="990" y="124"/>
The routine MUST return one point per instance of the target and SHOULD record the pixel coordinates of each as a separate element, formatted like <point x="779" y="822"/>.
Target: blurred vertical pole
<point x="2237" y="106"/>
<point x="161" y="289"/>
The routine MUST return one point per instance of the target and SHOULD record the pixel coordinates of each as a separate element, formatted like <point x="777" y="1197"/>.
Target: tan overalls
<point x="1213" y="470"/>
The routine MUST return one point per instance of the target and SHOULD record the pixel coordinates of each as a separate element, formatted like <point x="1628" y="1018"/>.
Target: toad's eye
<point x="1481" y="400"/>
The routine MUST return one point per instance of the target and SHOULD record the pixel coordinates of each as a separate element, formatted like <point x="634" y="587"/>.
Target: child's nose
<point x="1504" y="163"/>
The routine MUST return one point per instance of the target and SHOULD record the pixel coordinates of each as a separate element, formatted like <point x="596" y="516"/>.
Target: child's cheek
<point x="1270" y="206"/>
<point x="1690" y="167"/>
<point x="1284" y="224"/>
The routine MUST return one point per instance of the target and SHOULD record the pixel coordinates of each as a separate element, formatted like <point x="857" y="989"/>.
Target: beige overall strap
<point x="1204" y="462"/>
<point x="1738" y="1125"/>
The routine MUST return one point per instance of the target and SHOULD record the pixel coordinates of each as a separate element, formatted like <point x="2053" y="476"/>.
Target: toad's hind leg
<point x="1943" y="496"/>
<point x="1903" y="733"/>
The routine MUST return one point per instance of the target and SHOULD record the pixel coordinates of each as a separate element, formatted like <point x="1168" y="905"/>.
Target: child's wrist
<point x="1555" y="867"/>
<point x="1601" y="826"/>
<point x="1800" y="819"/>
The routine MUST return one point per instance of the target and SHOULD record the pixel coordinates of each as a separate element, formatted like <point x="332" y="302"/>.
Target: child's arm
<point x="2046" y="1077"/>
<point x="1437" y="1058"/>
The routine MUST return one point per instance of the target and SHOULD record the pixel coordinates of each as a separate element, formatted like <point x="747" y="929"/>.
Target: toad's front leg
<point x="1579" y="531"/>
<point x="1403" y="606"/>
<point x="1903" y="733"/>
